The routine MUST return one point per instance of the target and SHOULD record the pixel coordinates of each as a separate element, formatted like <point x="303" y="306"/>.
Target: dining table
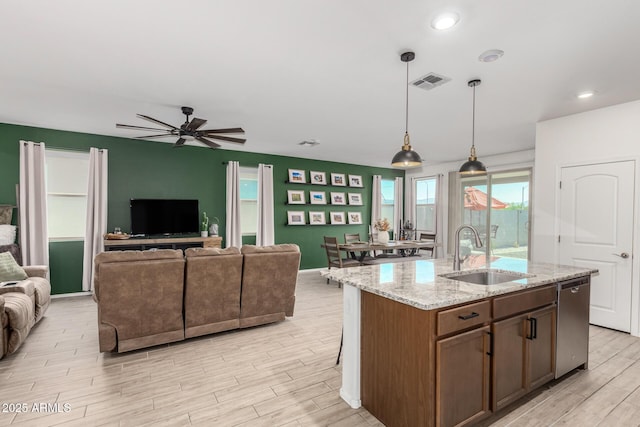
<point x="404" y="248"/>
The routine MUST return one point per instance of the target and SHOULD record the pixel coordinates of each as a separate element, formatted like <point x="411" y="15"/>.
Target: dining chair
<point x="334" y="255"/>
<point x="355" y="238"/>
<point x="429" y="237"/>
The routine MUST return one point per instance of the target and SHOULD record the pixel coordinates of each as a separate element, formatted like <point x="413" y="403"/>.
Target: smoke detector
<point x="430" y="81"/>
<point x="491" y="55"/>
<point x="309" y="143"/>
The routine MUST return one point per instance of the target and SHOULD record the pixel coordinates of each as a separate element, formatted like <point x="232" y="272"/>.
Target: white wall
<point x="513" y="160"/>
<point x="611" y="133"/>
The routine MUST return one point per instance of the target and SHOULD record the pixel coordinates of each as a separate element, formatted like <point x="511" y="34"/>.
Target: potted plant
<point x="383" y="227"/>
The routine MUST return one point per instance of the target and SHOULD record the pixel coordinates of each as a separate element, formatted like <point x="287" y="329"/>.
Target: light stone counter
<point x="419" y="284"/>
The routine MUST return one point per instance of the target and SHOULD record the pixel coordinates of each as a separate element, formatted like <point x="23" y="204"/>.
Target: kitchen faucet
<point x="456" y="255"/>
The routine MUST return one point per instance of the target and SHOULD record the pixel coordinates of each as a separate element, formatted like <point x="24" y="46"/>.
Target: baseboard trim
<point x="71" y="295"/>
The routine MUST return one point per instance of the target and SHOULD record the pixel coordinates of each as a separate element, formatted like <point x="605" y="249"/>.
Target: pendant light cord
<point x="406" y="110"/>
<point x="473" y="120"/>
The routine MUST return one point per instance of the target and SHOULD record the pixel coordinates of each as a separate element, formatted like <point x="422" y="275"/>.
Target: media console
<point x="162" y="243"/>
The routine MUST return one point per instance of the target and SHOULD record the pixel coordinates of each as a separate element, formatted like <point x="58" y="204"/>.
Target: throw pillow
<point x="7" y="234"/>
<point x="9" y="268"/>
<point x="6" y="213"/>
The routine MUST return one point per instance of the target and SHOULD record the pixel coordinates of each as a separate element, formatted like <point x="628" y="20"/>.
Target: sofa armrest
<point x="21" y="287"/>
<point x="36" y="270"/>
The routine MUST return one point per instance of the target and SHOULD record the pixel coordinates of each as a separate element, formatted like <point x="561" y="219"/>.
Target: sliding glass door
<point x="497" y="205"/>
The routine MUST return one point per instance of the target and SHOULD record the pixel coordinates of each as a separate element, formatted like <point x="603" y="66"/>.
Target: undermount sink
<point x="486" y="277"/>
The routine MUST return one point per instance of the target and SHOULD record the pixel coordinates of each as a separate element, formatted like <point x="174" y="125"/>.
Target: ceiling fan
<point x="187" y="131"/>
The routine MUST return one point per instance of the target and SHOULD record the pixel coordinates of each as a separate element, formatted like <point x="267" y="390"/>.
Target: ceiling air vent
<point x="430" y="81"/>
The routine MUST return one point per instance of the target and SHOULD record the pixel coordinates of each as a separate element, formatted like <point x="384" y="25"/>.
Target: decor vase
<point x="383" y="237"/>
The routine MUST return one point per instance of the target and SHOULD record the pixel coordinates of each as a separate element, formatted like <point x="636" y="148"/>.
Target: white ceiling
<point x="290" y="70"/>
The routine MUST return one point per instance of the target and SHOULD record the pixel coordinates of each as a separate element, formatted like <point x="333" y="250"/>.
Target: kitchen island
<point x="423" y="348"/>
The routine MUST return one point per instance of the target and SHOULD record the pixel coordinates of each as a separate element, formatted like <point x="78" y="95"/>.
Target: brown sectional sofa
<point x="147" y="298"/>
<point x="22" y="306"/>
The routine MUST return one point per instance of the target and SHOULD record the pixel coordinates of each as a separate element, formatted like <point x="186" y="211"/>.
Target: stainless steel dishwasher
<point x="572" y="333"/>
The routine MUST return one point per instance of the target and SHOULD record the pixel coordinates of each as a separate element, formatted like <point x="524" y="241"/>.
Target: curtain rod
<point x="77" y="150"/>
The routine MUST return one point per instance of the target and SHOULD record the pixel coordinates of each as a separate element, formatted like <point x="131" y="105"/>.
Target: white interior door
<point x="596" y="230"/>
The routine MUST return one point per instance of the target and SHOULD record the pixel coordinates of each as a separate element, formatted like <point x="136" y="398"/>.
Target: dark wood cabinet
<point x="542" y="347"/>
<point x="509" y="361"/>
<point x="462" y="377"/>
<point x="524" y="354"/>
<point x="455" y="365"/>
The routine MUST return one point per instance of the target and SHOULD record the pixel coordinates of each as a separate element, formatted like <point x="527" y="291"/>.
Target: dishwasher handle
<point x="574" y="283"/>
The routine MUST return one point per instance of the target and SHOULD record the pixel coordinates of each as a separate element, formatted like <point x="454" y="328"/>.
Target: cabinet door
<point x="509" y="361"/>
<point x="542" y="346"/>
<point x="462" y="378"/>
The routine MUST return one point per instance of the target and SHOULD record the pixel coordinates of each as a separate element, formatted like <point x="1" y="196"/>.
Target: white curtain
<point x="398" y="204"/>
<point x="265" y="233"/>
<point x="439" y="213"/>
<point x="96" y="225"/>
<point x="234" y="233"/>
<point x="376" y="202"/>
<point x="34" y="237"/>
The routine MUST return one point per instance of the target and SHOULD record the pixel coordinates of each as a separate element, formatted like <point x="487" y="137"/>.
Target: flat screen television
<point x="164" y="216"/>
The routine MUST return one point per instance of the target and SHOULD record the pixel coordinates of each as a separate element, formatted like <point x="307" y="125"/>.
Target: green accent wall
<point x="144" y="169"/>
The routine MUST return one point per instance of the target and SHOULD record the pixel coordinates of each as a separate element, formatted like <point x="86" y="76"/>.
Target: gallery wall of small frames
<point x="343" y="201"/>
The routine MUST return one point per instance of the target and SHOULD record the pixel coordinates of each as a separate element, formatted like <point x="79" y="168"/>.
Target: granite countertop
<point x="419" y="284"/>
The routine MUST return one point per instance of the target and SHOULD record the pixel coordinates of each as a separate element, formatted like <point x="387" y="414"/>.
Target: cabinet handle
<point x="490" y="352"/>
<point x="534" y="323"/>
<point x="530" y="334"/>
<point x="469" y="316"/>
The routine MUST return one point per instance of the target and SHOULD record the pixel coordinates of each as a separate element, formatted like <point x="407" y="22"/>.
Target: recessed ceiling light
<point x="585" y="94"/>
<point x="491" y="55"/>
<point x="444" y="21"/>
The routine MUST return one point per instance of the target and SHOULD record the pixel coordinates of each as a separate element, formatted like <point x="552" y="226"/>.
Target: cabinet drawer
<point x="523" y="301"/>
<point x="459" y="318"/>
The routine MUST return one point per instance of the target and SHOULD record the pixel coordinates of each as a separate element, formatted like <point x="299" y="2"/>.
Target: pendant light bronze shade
<point x="473" y="166"/>
<point x="406" y="157"/>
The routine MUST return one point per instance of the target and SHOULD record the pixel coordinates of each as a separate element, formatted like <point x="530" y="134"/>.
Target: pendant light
<point x="406" y="158"/>
<point x="473" y="166"/>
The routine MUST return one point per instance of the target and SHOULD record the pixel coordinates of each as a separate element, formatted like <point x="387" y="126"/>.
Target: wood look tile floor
<point x="282" y="374"/>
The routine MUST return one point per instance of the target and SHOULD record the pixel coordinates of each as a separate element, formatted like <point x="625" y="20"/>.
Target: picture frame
<point x="354" y="217"/>
<point x="318" y="178"/>
<point x="296" y="218"/>
<point x="337" y="218"/>
<point x="317" y="198"/>
<point x="317" y="218"/>
<point x="338" y="198"/>
<point x="355" y="181"/>
<point x="297" y="176"/>
<point x="338" y="179"/>
<point x="296" y="197"/>
<point x="355" y="199"/>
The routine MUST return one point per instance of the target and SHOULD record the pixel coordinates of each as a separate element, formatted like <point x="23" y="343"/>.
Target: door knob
<point x="623" y="255"/>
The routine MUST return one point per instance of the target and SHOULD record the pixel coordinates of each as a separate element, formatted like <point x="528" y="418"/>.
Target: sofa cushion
<point x="19" y="311"/>
<point x="7" y="234"/>
<point x="9" y="268"/>
<point x="195" y="252"/>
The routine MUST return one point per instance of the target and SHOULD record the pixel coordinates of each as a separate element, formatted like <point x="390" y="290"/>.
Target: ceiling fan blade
<point x="229" y="130"/>
<point x="227" y="138"/>
<point x="151" y="119"/>
<point x="180" y="142"/>
<point x="207" y="142"/>
<point x="154" y="136"/>
<point x="195" y="123"/>
<point x="119" y="125"/>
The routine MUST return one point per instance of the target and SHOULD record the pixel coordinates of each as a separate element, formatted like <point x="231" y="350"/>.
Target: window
<point x="497" y="205"/>
<point x="425" y="196"/>
<point x="67" y="182"/>
<point x="248" y="201"/>
<point x="387" y="188"/>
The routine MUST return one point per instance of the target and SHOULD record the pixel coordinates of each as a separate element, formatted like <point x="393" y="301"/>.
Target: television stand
<point x="141" y="244"/>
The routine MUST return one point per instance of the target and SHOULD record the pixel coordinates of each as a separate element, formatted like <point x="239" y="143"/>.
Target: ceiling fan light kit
<point x="406" y="157"/>
<point x="473" y="166"/>
<point x="188" y="131"/>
